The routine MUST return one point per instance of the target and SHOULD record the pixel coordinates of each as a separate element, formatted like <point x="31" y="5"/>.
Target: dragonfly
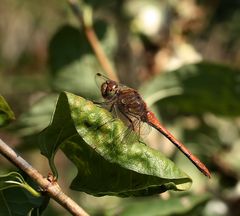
<point x="131" y="105"/>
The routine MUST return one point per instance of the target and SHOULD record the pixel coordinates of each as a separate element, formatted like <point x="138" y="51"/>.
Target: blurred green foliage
<point x="6" y="114"/>
<point x="43" y="51"/>
<point x="185" y="205"/>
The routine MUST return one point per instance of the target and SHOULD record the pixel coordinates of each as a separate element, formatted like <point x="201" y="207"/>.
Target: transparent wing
<point x="100" y="79"/>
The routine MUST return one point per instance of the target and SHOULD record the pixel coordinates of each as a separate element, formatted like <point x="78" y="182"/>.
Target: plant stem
<point x="51" y="188"/>
<point x="93" y="41"/>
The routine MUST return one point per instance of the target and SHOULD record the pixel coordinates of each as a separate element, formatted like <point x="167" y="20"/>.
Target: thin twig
<point x="93" y="41"/>
<point x="52" y="188"/>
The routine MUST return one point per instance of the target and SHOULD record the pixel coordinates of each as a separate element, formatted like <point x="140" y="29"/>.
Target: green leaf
<point x="67" y="45"/>
<point x="72" y="61"/>
<point x="155" y="206"/>
<point x="89" y="136"/>
<point x="37" y="117"/>
<point x="17" y="202"/>
<point x="196" y="89"/>
<point x="17" y="197"/>
<point x="78" y="78"/>
<point x="6" y="114"/>
<point x="14" y="179"/>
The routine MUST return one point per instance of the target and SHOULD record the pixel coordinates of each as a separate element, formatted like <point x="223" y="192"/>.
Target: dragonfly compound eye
<point x="104" y="90"/>
<point x="109" y="89"/>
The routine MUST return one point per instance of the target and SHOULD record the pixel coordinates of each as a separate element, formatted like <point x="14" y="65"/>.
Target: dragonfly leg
<point x="111" y="108"/>
<point x="100" y="103"/>
<point x="138" y="120"/>
<point x="142" y="142"/>
<point x="129" y="119"/>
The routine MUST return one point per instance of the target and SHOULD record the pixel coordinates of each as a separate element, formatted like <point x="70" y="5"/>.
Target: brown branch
<point x="93" y="41"/>
<point x="52" y="188"/>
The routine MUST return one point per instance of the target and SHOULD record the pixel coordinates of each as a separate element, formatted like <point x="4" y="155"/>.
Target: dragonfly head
<point x="109" y="89"/>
